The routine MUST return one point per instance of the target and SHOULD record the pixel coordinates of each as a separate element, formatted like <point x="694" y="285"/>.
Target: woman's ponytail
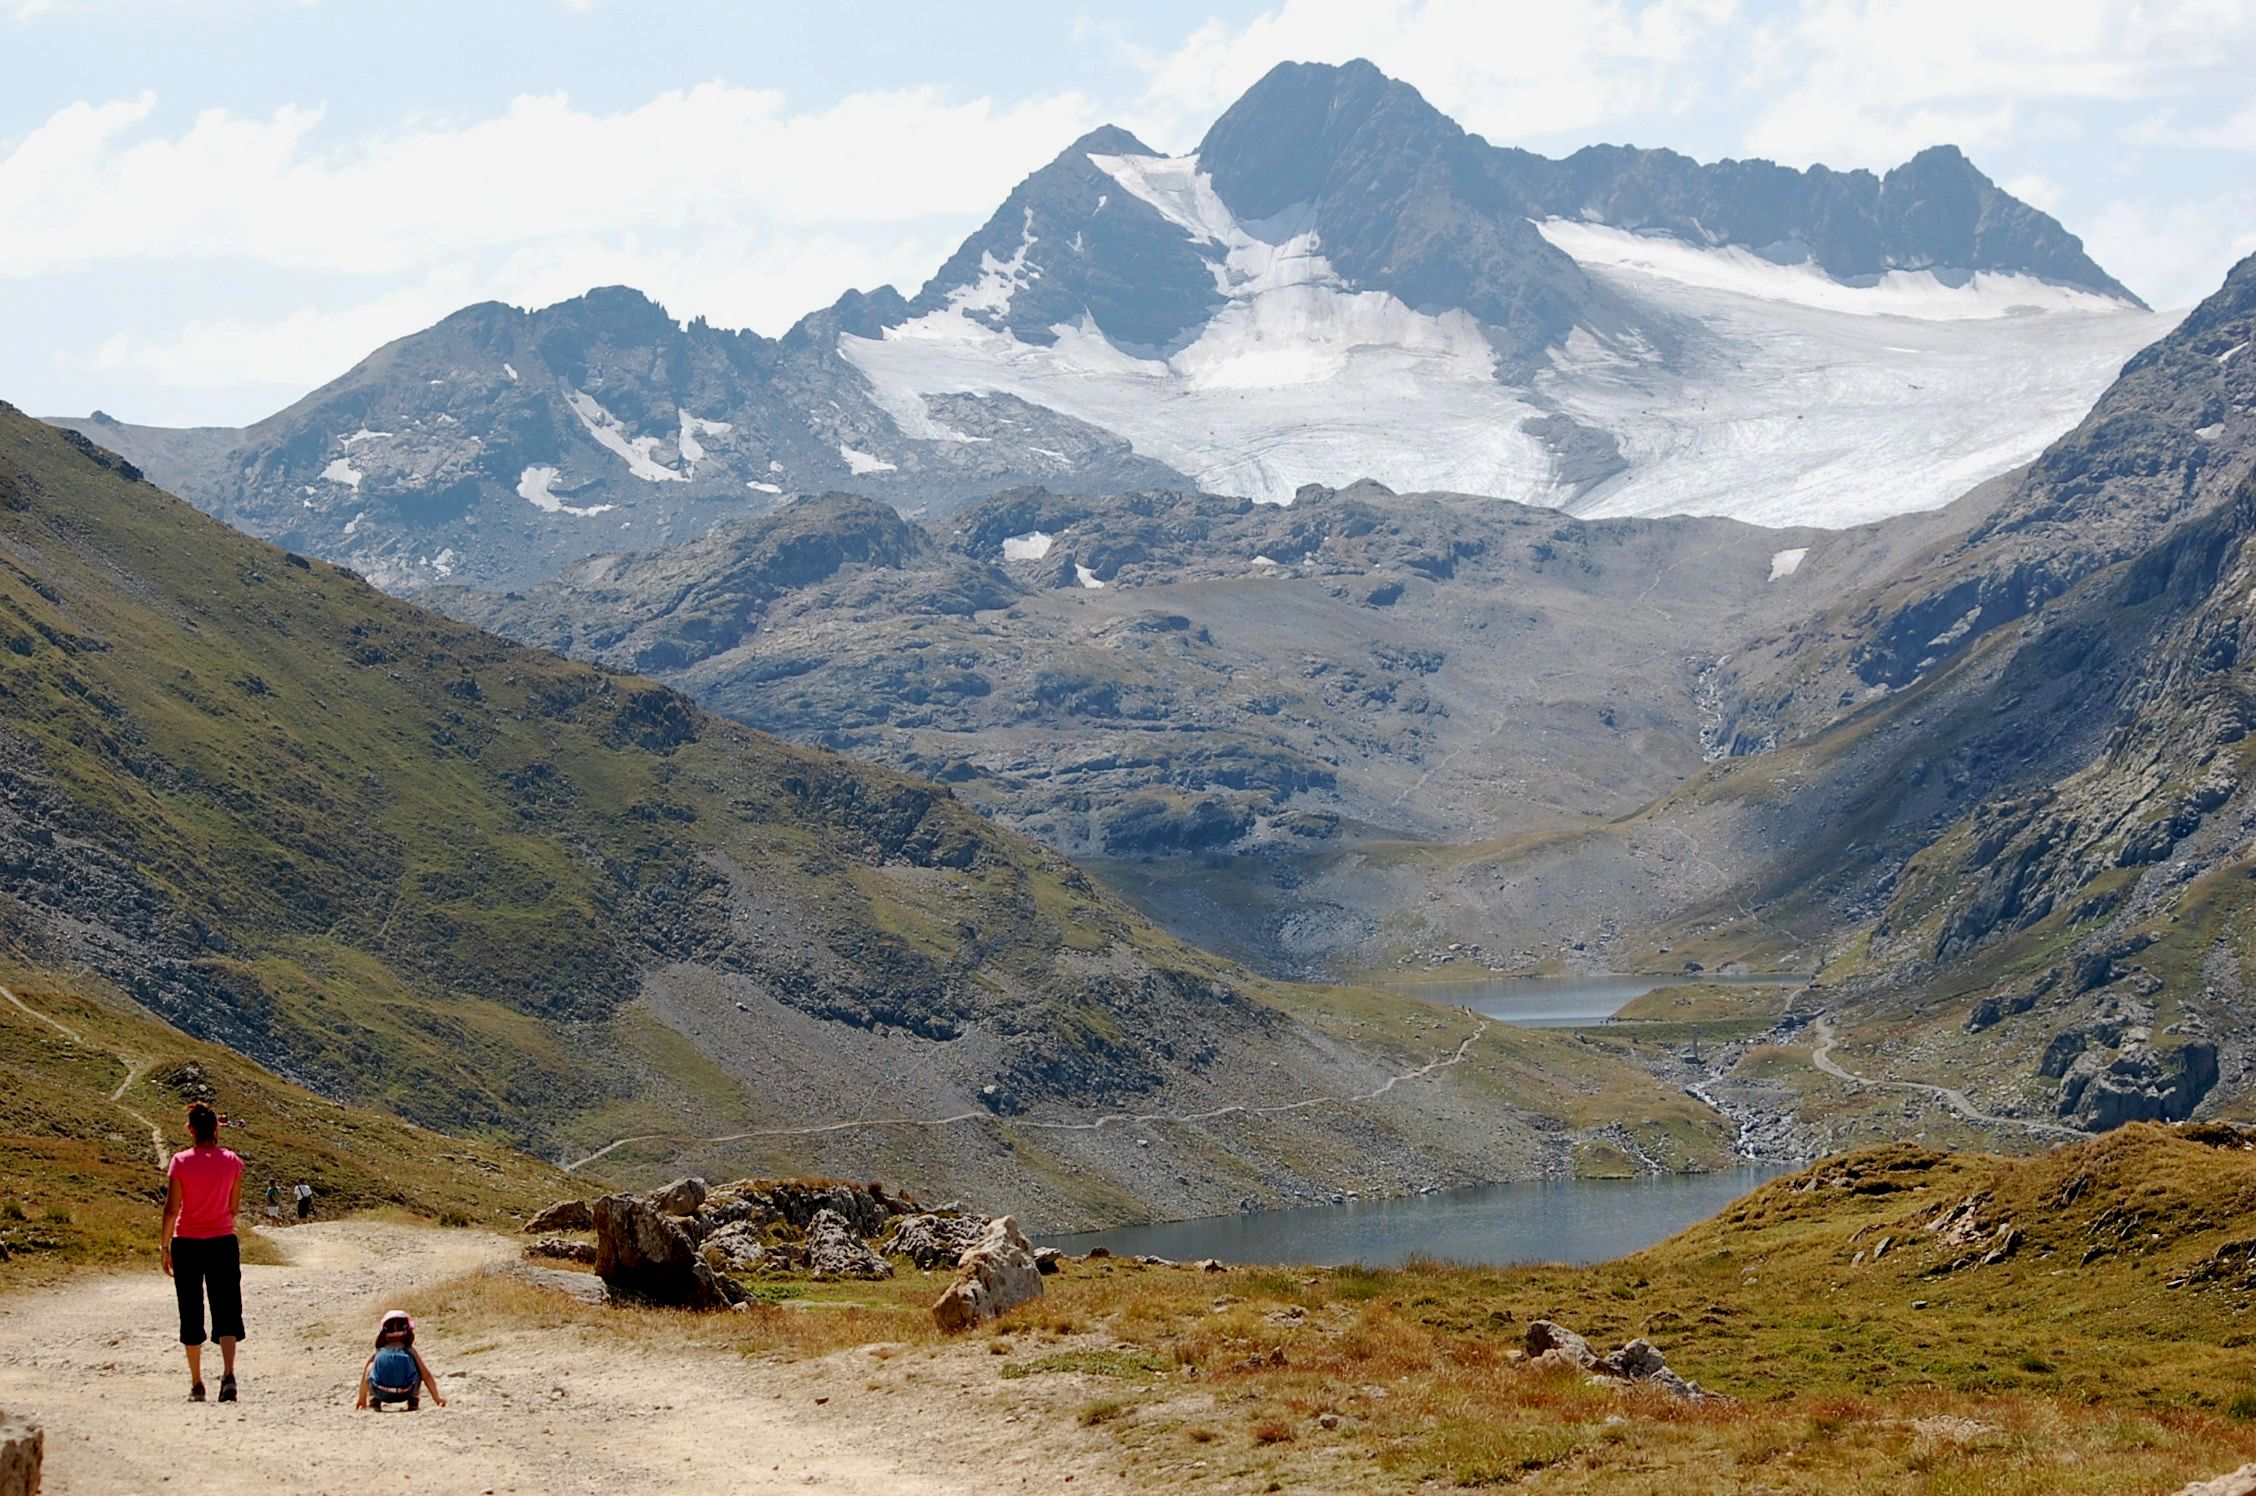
<point x="203" y="1123"/>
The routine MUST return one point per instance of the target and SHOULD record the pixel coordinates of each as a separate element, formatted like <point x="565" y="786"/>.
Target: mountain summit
<point x="1339" y="283"/>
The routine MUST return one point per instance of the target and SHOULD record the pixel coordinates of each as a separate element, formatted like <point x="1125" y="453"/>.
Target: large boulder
<point x="564" y="1215"/>
<point x="681" y="1198"/>
<point x="834" y="1251"/>
<point x="997" y="1274"/>
<point x="644" y="1255"/>
<point x="22" y="1449"/>
<point x="2241" y="1482"/>
<point x="932" y="1241"/>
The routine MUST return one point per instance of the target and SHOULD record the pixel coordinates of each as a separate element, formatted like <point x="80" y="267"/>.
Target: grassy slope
<point x="78" y="1178"/>
<point x="2110" y="1350"/>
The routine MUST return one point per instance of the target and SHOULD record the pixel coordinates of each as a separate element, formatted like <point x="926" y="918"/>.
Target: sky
<point x="209" y="207"/>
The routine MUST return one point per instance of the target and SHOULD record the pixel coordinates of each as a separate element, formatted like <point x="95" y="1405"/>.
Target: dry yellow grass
<point x="2083" y="1362"/>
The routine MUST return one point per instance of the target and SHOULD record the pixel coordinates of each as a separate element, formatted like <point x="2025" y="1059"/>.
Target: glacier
<point x="1789" y="398"/>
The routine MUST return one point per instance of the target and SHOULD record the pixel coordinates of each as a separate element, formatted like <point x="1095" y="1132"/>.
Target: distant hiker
<point x="198" y="1248"/>
<point x="305" y="1201"/>
<point x="274" y="1202"/>
<point x="396" y="1372"/>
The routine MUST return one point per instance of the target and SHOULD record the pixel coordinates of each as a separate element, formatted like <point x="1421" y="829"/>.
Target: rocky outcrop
<point x="22" y="1450"/>
<point x="932" y="1241"/>
<point x="998" y="1274"/>
<point x="2161" y="1081"/>
<point x="644" y="1255"/>
<point x="564" y="1215"/>
<point x="834" y="1251"/>
<point x="1639" y="1363"/>
<point x="738" y="1248"/>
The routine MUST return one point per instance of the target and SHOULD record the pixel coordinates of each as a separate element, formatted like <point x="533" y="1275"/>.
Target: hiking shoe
<point x="195" y="1391"/>
<point x="227" y="1388"/>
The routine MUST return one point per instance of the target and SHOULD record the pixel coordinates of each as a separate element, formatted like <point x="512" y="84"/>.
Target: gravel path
<point x="531" y="1409"/>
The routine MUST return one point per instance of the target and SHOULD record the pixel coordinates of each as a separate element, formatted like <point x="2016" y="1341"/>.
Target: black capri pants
<point x="208" y="1265"/>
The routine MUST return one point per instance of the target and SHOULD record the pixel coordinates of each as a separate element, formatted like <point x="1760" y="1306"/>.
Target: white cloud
<point x="88" y="184"/>
<point x="2036" y="189"/>
<point x="2235" y="132"/>
<point x="1854" y="81"/>
<point x="2174" y="254"/>
<point x="1511" y="72"/>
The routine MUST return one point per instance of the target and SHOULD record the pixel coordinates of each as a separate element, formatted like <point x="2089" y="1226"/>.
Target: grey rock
<point x="834" y="1251"/>
<point x="931" y="1240"/>
<point x="998" y="1274"/>
<point x="564" y="1215"/>
<point x="645" y="1256"/>
<point x="681" y="1198"/>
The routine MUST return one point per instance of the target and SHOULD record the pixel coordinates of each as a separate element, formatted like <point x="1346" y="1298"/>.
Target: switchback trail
<point x="1956" y="1100"/>
<point x="1109" y="1119"/>
<point x="133" y="1068"/>
<point x="532" y="1407"/>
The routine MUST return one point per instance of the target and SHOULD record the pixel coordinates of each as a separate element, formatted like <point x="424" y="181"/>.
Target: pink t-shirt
<point x="206" y="1177"/>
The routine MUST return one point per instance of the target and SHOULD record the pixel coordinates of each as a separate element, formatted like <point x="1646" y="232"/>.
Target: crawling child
<point x="396" y="1372"/>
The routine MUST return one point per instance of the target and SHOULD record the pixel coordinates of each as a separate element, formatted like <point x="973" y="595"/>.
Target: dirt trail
<point x="530" y="1409"/>
<point x="133" y="1069"/>
<point x="1822" y="1057"/>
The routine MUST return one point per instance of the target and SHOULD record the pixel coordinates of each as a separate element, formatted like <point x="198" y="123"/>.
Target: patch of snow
<point x="352" y="526"/>
<point x="534" y="485"/>
<point x="1786" y="563"/>
<point x="1784" y="412"/>
<point x="1032" y="546"/>
<point x="999" y="280"/>
<point x="341" y="471"/>
<point x="760" y="487"/>
<point x="1264" y="563"/>
<point x="774" y="466"/>
<point x="510" y="370"/>
<point x="861" y="464"/>
<point x="362" y="435"/>
<point x="447" y="420"/>
<point x="1088" y="577"/>
<point x="692" y="450"/>
<point x="2226" y="357"/>
<point x="1049" y="452"/>
<point x="1297" y="378"/>
<point x="443" y="562"/>
<point x="607" y="429"/>
<point x="1898" y="293"/>
<point x="2210" y="432"/>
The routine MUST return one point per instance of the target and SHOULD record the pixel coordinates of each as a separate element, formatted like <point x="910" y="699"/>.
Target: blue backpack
<point x="394" y="1370"/>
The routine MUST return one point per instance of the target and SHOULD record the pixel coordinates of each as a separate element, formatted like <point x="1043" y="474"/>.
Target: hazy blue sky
<point x="207" y="207"/>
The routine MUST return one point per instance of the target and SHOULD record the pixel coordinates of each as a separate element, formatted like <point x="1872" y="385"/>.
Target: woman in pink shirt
<point x="199" y="1247"/>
